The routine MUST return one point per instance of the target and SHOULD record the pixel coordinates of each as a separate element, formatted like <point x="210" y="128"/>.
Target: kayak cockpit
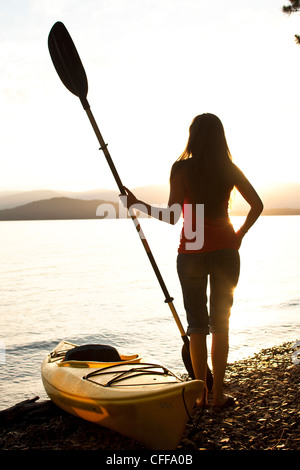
<point x="89" y="355"/>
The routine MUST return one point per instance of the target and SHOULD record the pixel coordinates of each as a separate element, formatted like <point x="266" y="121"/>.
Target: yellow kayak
<point x="144" y="401"/>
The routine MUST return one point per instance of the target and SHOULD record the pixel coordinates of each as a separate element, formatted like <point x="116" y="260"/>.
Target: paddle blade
<point x="209" y="379"/>
<point x="186" y="357"/>
<point x="185" y="353"/>
<point x="67" y="62"/>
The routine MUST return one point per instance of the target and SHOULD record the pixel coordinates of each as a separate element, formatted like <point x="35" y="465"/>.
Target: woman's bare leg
<point x="219" y="355"/>
<point x="198" y="352"/>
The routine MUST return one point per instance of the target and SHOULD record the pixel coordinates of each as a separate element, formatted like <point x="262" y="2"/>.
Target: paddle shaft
<point x="168" y="298"/>
<point x="69" y="67"/>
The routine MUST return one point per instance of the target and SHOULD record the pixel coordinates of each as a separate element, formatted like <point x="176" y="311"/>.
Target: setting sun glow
<point x="151" y="67"/>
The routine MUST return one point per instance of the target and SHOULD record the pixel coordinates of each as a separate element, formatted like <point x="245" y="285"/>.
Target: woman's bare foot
<point x="224" y="402"/>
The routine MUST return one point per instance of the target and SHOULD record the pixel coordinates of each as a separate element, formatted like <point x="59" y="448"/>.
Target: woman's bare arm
<point x="250" y="195"/>
<point x="170" y="214"/>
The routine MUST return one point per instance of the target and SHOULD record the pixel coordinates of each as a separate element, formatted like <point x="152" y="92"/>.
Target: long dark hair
<point x="207" y="143"/>
<point x="208" y="155"/>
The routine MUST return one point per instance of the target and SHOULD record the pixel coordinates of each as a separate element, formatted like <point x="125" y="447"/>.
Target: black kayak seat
<point x="93" y="352"/>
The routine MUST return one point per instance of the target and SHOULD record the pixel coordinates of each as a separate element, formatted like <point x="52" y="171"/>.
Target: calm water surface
<point x="91" y="281"/>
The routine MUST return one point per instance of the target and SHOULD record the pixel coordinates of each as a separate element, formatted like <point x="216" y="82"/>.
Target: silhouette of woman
<point x="203" y="177"/>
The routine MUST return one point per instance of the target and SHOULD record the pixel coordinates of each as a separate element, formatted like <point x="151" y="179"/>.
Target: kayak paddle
<point x="69" y="67"/>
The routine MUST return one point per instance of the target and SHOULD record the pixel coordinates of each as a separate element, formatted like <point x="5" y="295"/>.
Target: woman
<point x="204" y="175"/>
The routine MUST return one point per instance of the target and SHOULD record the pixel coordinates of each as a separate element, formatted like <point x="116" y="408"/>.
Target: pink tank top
<point x="209" y="234"/>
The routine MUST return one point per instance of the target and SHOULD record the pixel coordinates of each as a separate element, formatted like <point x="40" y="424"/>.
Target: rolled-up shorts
<point x="222" y="268"/>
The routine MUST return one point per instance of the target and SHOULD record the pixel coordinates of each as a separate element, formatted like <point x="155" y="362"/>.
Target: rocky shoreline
<point x="265" y="416"/>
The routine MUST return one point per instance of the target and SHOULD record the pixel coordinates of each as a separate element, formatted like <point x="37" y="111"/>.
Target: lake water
<point x="90" y="281"/>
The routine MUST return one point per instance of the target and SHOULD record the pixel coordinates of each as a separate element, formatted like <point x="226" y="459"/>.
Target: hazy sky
<point x="152" y="65"/>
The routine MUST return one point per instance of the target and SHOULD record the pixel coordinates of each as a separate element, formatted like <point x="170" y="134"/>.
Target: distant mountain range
<point x="48" y="204"/>
<point x="11" y="199"/>
<point x="58" y="208"/>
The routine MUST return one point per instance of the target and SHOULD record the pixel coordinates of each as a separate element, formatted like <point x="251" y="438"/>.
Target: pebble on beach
<point x="265" y="416"/>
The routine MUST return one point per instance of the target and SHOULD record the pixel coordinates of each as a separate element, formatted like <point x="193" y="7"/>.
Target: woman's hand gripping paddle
<point x="71" y="72"/>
